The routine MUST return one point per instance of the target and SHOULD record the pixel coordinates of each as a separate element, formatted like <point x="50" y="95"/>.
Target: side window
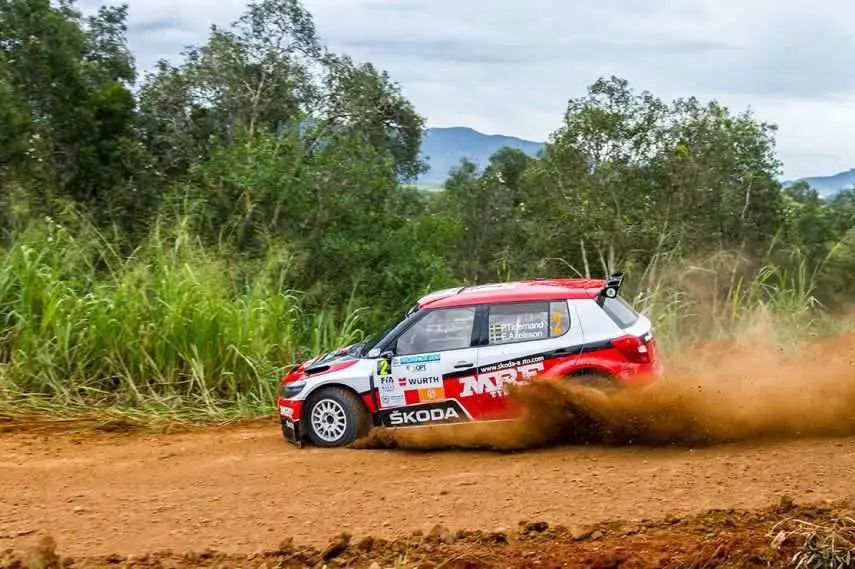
<point x="559" y="318"/>
<point x="527" y="321"/>
<point x="620" y="312"/>
<point x="439" y="330"/>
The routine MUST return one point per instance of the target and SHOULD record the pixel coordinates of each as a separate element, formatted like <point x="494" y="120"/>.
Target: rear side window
<point x="527" y="321"/>
<point x="619" y="311"/>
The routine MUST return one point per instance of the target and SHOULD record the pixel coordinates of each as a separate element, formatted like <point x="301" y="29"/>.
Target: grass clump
<point x="828" y="545"/>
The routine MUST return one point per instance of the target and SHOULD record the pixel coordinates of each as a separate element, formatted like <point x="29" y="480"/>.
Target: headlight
<point x="292" y="389"/>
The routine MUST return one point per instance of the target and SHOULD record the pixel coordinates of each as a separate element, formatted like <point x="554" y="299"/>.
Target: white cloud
<point x="510" y="66"/>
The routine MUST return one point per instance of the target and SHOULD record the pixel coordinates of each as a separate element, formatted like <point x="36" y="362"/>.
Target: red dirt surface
<point x="715" y="539"/>
<point x="243" y="491"/>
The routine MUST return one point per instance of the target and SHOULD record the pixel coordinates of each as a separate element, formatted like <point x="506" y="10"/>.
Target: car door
<point x="523" y="340"/>
<point x="412" y="382"/>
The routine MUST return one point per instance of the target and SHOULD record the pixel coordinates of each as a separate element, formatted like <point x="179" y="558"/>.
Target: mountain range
<point x="444" y="147"/>
<point x="827" y="186"/>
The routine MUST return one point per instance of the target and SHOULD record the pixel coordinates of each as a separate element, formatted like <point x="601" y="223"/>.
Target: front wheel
<point x="335" y="417"/>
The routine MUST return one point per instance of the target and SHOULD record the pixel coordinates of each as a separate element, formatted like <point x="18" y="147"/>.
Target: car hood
<point x="349" y="352"/>
<point x="325" y="361"/>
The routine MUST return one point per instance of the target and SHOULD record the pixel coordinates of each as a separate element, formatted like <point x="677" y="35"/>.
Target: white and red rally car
<point x="449" y="358"/>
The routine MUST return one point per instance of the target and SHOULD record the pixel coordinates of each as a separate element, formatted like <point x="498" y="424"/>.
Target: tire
<point x="335" y="417"/>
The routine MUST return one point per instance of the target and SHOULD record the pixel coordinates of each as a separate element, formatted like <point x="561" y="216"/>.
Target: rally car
<point x="450" y="357"/>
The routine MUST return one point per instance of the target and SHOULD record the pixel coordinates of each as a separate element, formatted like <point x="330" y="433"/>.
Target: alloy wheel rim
<point x="329" y="420"/>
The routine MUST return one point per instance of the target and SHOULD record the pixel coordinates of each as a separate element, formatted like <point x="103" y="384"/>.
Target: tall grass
<point x="174" y="327"/>
<point x="719" y="296"/>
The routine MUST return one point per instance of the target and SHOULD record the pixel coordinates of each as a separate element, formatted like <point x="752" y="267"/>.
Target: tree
<point x="269" y="72"/>
<point x="69" y="76"/>
<point x="262" y="122"/>
<point x="594" y="173"/>
<point x="722" y="171"/>
<point x="486" y="206"/>
<point x="627" y="176"/>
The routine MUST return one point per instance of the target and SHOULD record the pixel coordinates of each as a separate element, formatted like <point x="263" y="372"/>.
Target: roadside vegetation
<point x="172" y="240"/>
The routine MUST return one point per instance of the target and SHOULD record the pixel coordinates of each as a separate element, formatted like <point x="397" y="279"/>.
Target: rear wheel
<point x="335" y="417"/>
<point x="602" y="383"/>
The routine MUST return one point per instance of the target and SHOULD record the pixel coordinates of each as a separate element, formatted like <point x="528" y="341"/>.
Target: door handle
<point x="459" y="365"/>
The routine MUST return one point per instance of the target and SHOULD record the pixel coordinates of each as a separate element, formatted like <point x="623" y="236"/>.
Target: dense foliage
<point x="179" y="235"/>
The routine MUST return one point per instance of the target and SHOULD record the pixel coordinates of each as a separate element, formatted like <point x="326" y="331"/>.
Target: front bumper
<point x="289" y="418"/>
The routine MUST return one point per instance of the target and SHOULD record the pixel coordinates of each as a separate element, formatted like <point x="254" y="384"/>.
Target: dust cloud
<point x="750" y="388"/>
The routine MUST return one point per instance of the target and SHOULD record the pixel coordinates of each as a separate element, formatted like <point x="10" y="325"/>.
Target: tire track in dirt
<point x="243" y="490"/>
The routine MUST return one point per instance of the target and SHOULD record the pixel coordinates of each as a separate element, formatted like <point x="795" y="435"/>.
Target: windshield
<point x="372" y="340"/>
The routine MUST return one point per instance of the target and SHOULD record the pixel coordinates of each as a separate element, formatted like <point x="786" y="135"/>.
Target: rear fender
<point x="575" y="368"/>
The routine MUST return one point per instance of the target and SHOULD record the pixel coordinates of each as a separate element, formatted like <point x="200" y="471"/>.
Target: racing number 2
<point x="382" y="367"/>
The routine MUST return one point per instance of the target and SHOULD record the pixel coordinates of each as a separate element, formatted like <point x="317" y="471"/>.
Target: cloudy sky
<point x="509" y="66"/>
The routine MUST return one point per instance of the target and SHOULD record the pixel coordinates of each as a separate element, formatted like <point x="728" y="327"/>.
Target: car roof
<point x="516" y="291"/>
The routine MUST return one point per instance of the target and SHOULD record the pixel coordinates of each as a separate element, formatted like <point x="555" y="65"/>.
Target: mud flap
<point x="291" y="432"/>
<point x="375" y="397"/>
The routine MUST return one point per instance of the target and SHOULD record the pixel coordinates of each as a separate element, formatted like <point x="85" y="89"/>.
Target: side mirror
<point x="387" y="354"/>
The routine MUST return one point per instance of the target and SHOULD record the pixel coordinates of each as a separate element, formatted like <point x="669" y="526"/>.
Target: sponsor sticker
<point x="418" y="359"/>
<point x="511" y="363"/>
<point x="431" y="394"/>
<point x="415" y="368"/>
<point x="286" y="412"/>
<point x="493" y="379"/>
<point x="391" y="393"/>
<point x="420" y="416"/>
<point x="433" y="381"/>
<point x="448" y="411"/>
<point x="392" y="399"/>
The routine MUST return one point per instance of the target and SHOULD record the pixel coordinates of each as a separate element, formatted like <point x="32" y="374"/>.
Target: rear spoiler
<point x="612" y="288"/>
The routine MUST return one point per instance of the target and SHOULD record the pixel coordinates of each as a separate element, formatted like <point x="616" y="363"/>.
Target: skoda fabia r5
<point x="450" y="357"/>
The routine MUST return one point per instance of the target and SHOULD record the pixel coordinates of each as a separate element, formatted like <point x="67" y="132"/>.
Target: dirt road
<point x="245" y="489"/>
